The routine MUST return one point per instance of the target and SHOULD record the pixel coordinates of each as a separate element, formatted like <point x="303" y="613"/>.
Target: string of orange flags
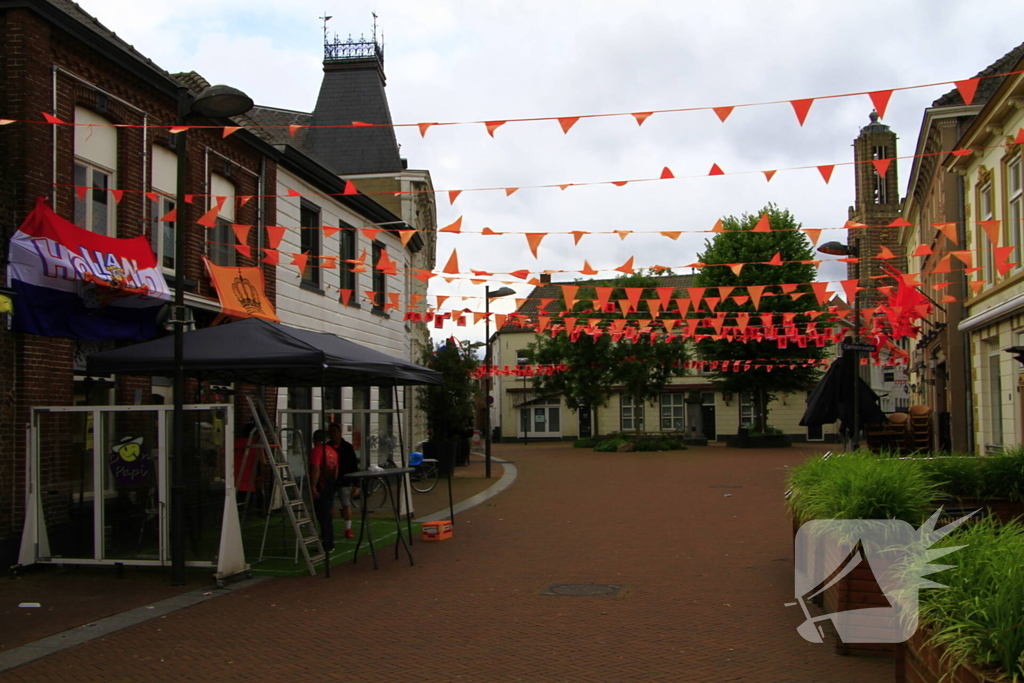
<point x="801" y="109"/>
<point x="483" y="371"/>
<point x="824" y="170"/>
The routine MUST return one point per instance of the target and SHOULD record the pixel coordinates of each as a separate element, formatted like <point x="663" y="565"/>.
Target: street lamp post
<point x="215" y="102"/>
<point x="853" y="250"/>
<point x="488" y="295"/>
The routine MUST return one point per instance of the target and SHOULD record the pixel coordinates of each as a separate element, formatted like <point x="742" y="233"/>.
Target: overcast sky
<point x="496" y="59"/>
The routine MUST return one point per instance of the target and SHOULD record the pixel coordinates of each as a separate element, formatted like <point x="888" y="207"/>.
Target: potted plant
<point x="449" y="407"/>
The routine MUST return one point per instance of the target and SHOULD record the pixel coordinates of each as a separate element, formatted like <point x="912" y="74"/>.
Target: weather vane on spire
<point x="326" y="17"/>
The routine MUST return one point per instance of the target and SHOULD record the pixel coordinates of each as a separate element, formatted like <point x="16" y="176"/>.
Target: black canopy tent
<point x="264" y="353"/>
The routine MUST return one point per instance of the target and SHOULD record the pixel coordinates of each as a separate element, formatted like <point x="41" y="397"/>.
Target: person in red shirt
<point x="323" y="476"/>
<point x="348" y="462"/>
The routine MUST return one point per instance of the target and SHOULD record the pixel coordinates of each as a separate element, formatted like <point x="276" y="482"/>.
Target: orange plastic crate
<point x="437" y="531"/>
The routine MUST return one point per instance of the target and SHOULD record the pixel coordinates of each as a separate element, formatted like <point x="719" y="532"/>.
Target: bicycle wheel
<point x="374" y="494"/>
<point x="425" y="477"/>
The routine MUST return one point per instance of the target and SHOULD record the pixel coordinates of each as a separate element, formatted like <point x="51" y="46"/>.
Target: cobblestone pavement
<point x="706" y="570"/>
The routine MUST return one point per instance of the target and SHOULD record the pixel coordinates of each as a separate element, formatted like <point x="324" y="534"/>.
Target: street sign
<point x="863" y="348"/>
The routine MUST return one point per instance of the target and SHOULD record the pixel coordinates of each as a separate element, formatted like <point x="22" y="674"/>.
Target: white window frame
<point x="629" y="413"/>
<point x="746" y="409"/>
<point x="1015" y="208"/>
<point x="94" y="194"/>
<point x="221" y="238"/>
<point x="161" y="233"/>
<point x="672" y="409"/>
<point x="986" y="212"/>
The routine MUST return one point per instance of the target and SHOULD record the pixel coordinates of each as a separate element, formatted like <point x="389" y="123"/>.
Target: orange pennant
<point x="947" y="229"/>
<point x="922" y="250"/>
<point x="991" y="229"/>
<point x="880" y="100"/>
<point x="118" y="195"/>
<point x="736" y="268"/>
<point x="567" y="122"/>
<point x="683" y="305"/>
<point x="620" y="183"/>
<point x="977" y="285"/>
<point x="169" y="217"/>
<point x="696" y="293"/>
<point x="633" y="295"/>
<point x="718" y="226"/>
<point x="776" y="260"/>
<point x="209" y="219"/>
<point x="452" y="267"/>
<point x="385" y="264"/>
<point x="521" y="274"/>
<point x="350" y="188"/>
<point x="453" y="195"/>
<point x="292" y="130"/>
<point x="602" y="294"/>
<point x="300" y="261"/>
<point x="821" y="292"/>
<point x="274" y="235"/>
<point x="577" y="235"/>
<point x="1002" y="254"/>
<point x="488" y="231"/>
<point x="814" y="234"/>
<point x="716" y="170"/>
<point x="627" y="267"/>
<point x="967" y="89"/>
<point x="293" y="193"/>
<point x="826" y="172"/>
<point x="801" y="107"/>
<point x="423" y="128"/>
<point x="329" y="230"/>
<point x="406" y="235"/>
<point x="642" y="116"/>
<point x="881" y="166"/>
<point x="455" y="226"/>
<point x="533" y="239"/>
<point x="562" y="187"/>
<point x="241" y="233"/>
<point x="722" y="112"/>
<point x="509" y="191"/>
<point x="493" y="126"/>
<point x="666" y="173"/>
<point x="768" y="175"/>
<point x="900" y="222"/>
<point x="763" y="225"/>
<point x="228" y="130"/>
<point x="886" y="253"/>
<point x="622" y="233"/>
<point x="587" y="269"/>
<point x="370" y="233"/>
<point x="755" y="292"/>
<point x="851" y="289"/>
<point x="672" y="235"/>
<point x="965" y="256"/>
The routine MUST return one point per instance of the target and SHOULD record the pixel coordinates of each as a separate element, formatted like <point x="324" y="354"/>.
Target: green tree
<point x="641" y="364"/>
<point x="449" y="407"/>
<point x="740" y="245"/>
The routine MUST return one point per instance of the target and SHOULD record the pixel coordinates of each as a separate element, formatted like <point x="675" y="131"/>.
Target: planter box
<point x="920" y="663"/>
<point x="769" y="441"/>
<point x="1004" y="510"/>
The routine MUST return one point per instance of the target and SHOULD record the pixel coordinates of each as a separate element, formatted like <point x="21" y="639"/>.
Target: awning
<point x="994" y="314"/>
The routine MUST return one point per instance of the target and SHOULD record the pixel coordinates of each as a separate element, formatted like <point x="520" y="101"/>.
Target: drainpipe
<point x="962" y="237"/>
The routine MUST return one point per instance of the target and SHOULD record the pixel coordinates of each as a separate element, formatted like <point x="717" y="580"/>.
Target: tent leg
<point x="401" y="448"/>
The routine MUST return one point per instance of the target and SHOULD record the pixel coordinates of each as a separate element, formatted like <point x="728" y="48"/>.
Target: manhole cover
<point x="584" y="589"/>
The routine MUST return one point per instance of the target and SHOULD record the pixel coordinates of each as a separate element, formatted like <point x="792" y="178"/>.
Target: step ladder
<point x="287" y="490"/>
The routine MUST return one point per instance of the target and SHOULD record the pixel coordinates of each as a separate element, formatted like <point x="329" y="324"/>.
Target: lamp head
<point x="220" y="102"/>
<point x="835" y="249"/>
<point x="504" y="291"/>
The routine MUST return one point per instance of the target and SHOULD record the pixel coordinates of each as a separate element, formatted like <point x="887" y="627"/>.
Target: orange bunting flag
<point x="567" y="122"/>
<point x="633" y="297"/>
<point x="452" y="267"/>
<point x="712" y="302"/>
<point x="967" y="89"/>
<point x="881" y="166"/>
<point x="991" y="229"/>
<point x="716" y="170"/>
<point x="499" y="320"/>
<point x="493" y="126"/>
<point x="718" y="226"/>
<point x="742" y="320"/>
<point x="52" y="119"/>
<point x="209" y="219"/>
<point x="344" y="296"/>
<point x="300" y="260"/>
<point x="642" y="116"/>
<point x="768" y="175"/>
<point x="627" y="267"/>
<point x="371" y="233"/>
<point x="577" y="235"/>
<point x="899" y="223"/>
<point x="243" y="200"/>
<point x="801" y="107"/>
<point x="488" y="231"/>
<point x="406" y="235"/>
<point x="587" y="269"/>
<point x="821" y="292"/>
<point x="415" y="300"/>
<point x="886" y="253"/>
<point x="521" y="274"/>
<point x="736" y="268"/>
<point x="241" y="233"/>
<point x="814" y="234"/>
<point x="385" y="264"/>
<point x="453" y="195"/>
<point x="620" y="183"/>
<point x="533" y="239"/>
<point x="948" y="299"/>
<point x="622" y="233"/>
<point x="329" y="230"/>
<point x="292" y="130"/>
<point x="776" y="260"/>
<point x="669" y="323"/>
<point x="880" y="100"/>
<point x="976" y="285"/>
<point x="371" y="296"/>
<point x="274" y="235"/>
<point x="965" y="256"/>
<point x="741" y="300"/>
<point x="722" y="112"/>
<point x="664" y="296"/>
<point x="509" y="191"/>
<point x="826" y="172"/>
<point x="1002" y="254"/>
<point x="350" y="188"/>
<point x="762" y="224"/>
<point x="851" y="289"/>
<point x="683" y="305"/>
<point x="455" y="226"/>
<point x="271" y="257"/>
<point x="293" y="193"/>
<point x="244" y="250"/>
<point x="602" y="294"/>
<point x="117" y="195"/>
<point x="653" y="305"/>
<point x="169" y="217"/>
<point x="422" y="275"/>
<point x="672" y="235"/>
<point x="562" y="187"/>
<point x="666" y="173"/>
<point x="755" y="292"/>
<point x="174" y="130"/>
<point x="922" y="250"/>
<point x="569" y="295"/>
<point x="947" y="229"/>
<point x="395" y="301"/>
<point x="424" y="127"/>
<point x="1019" y="140"/>
<point x="696" y="294"/>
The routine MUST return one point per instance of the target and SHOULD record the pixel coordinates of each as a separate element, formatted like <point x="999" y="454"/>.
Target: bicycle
<point x="426" y="473"/>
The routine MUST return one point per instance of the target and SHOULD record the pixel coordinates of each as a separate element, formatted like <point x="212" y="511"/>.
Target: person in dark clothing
<point x="323" y="476"/>
<point x="348" y="462"/>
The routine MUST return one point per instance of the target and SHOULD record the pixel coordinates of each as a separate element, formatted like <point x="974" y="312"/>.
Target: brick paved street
<point x="707" y="575"/>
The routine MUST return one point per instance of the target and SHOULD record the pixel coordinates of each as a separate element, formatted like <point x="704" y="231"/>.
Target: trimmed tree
<point x="449" y="407"/>
<point x="740" y="245"/>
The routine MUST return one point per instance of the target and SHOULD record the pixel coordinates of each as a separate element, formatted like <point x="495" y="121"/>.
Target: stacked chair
<point x="920" y="428"/>
<point x="903" y="432"/>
